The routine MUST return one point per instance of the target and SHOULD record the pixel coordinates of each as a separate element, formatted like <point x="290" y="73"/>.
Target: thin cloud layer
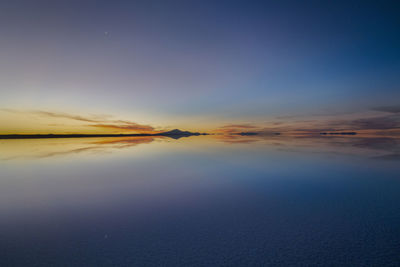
<point x="242" y="126"/>
<point x="97" y="121"/>
<point x="63" y="115"/>
<point x="127" y="126"/>
<point x="390" y="109"/>
<point x="384" y="121"/>
<point x="379" y="123"/>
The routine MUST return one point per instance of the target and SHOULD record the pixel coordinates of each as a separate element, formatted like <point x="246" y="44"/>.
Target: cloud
<point x="389" y="122"/>
<point x="385" y="124"/>
<point x="99" y="121"/>
<point x="287" y="117"/>
<point x="64" y="115"/>
<point x="55" y="115"/>
<point x="10" y="110"/>
<point x="102" y="122"/>
<point x="242" y="126"/>
<point x="390" y="109"/>
<point x="126" y="126"/>
<point x="376" y="123"/>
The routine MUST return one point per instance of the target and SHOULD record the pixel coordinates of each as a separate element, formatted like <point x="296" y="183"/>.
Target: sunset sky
<point x="217" y="66"/>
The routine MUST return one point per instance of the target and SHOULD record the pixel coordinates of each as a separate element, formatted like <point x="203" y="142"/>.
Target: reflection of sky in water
<point x="200" y="201"/>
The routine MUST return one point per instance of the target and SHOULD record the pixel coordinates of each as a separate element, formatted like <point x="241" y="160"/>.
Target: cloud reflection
<point x="385" y="148"/>
<point x="382" y="148"/>
<point x="47" y="148"/>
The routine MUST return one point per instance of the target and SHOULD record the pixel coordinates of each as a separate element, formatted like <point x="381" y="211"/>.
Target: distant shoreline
<point x="173" y="134"/>
<point x="45" y="136"/>
<point x="339" y="133"/>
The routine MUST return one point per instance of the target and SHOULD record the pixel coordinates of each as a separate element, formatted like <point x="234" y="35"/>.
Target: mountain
<point x="248" y="133"/>
<point x="177" y="132"/>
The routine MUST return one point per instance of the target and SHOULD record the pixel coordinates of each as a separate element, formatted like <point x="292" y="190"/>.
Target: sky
<point x="222" y="66"/>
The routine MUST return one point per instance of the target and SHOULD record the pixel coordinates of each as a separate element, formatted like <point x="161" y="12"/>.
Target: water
<point x="200" y="201"/>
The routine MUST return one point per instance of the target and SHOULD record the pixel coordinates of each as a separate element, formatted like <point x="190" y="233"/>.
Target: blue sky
<point x="170" y="63"/>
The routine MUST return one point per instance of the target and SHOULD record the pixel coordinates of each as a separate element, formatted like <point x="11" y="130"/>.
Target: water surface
<point x="200" y="201"/>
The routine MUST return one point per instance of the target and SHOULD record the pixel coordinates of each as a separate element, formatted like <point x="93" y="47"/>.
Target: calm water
<point x="200" y="201"/>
